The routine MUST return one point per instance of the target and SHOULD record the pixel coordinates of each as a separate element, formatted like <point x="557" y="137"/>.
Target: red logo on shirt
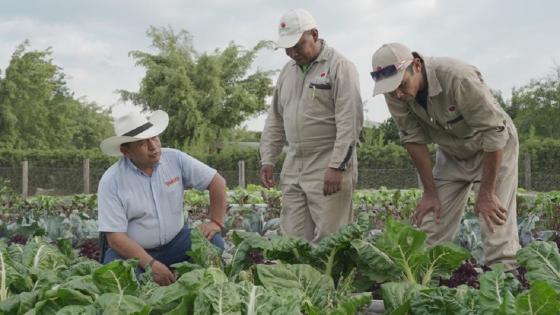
<point x="451" y="108"/>
<point x="323" y="74"/>
<point x="172" y="181"/>
<point x="282" y="25"/>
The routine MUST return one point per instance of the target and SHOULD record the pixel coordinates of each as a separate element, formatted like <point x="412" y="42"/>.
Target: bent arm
<point x="127" y="247"/>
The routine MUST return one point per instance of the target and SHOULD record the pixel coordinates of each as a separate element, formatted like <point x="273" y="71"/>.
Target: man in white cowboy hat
<point x="446" y="101"/>
<point x="317" y="109"/>
<point x="140" y="197"/>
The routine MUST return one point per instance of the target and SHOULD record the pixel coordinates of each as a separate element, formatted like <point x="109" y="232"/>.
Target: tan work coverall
<point x="319" y="114"/>
<point x="464" y="120"/>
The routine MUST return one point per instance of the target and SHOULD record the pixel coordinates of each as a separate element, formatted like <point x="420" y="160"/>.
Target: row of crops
<point x="49" y="251"/>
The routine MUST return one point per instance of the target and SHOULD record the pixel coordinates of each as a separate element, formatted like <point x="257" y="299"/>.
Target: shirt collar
<point x="135" y="168"/>
<point x="434" y="86"/>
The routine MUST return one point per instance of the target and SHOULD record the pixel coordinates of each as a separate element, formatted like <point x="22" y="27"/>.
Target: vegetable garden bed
<point x="45" y="269"/>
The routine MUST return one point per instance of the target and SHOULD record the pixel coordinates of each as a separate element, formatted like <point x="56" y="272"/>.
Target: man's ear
<point x="124" y="150"/>
<point x="315" y="33"/>
<point x="417" y="65"/>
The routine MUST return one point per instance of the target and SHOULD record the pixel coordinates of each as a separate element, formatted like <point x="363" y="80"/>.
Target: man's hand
<point x="209" y="229"/>
<point x="424" y="206"/>
<point x="333" y="180"/>
<point x="488" y="206"/>
<point x="161" y="274"/>
<point x="266" y="176"/>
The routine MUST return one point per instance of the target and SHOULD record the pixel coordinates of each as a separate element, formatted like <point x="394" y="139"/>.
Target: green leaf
<point x="289" y="250"/>
<point x="542" y="261"/>
<point x="77" y="310"/>
<point x="113" y="303"/>
<point x="316" y="287"/>
<point x="352" y="304"/>
<point x="376" y="265"/>
<point x="19" y="303"/>
<point x="406" y="247"/>
<point x="279" y="301"/>
<point x="117" y="277"/>
<point x="495" y="291"/>
<point x="185" y="266"/>
<point x="83" y="284"/>
<point x="442" y="260"/>
<point x="56" y="299"/>
<point x="245" y="244"/>
<point x="334" y="254"/>
<point x="81" y="268"/>
<point x="541" y="299"/>
<point x="203" y="252"/>
<point x="185" y="289"/>
<point x="65" y="247"/>
<point x="42" y="255"/>
<point x="397" y="296"/>
<point x="342" y="238"/>
<point x="222" y="298"/>
<point x="441" y="300"/>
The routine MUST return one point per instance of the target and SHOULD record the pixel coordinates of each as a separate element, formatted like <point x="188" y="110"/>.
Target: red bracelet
<point x="218" y="223"/>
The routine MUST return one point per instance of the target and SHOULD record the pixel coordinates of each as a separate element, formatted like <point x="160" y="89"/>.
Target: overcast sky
<point x="511" y="41"/>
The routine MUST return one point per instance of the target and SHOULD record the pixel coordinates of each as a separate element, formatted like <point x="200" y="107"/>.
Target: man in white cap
<point x="446" y="101"/>
<point x="317" y="110"/>
<point x="140" y="197"/>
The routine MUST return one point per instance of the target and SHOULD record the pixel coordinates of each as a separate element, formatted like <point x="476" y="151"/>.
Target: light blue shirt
<point x="149" y="208"/>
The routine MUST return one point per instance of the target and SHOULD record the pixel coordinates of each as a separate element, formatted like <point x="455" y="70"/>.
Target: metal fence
<point x="66" y="181"/>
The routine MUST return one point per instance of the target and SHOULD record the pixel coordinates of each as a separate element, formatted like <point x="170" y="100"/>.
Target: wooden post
<point x="24" y="179"/>
<point x="241" y="167"/>
<point x="86" y="176"/>
<point x="528" y="171"/>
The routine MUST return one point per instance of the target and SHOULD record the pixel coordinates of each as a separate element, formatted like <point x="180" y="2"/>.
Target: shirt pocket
<point x="173" y="191"/>
<point x="458" y="127"/>
<point x="320" y="101"/>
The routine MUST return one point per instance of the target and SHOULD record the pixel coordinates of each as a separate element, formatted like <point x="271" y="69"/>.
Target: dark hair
<point x="415" y="55"/>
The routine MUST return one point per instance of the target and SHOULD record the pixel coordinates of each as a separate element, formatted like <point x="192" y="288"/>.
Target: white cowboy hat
<point x="133" y="127"/>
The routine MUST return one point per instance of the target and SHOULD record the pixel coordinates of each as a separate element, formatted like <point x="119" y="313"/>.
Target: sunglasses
<point x="387" y="71"/>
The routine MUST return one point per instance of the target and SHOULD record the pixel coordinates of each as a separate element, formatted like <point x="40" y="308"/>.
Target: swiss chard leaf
<point x="113" y="303"/>
<point x="397" y="296"/>
<point x="203" y="252"/>
<point x="317" y="287"/>
<point x="249" y="250"/>
<point x="376" y="265"/>
<point x="117" y="277"/>
<point x="289" y="250"/>
<point x="496" y="291"/>
<point x="541" y="299"/>
<point x="440" y="300"/>
<point x="442" y="260"/>
<point x="405" y="246"/>
<point x="542" y="261"/>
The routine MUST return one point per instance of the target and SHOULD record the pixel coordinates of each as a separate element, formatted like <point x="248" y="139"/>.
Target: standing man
<point x="317" y="110"/>
<point x="140" y="197"/>
<point x="445" y="101"/>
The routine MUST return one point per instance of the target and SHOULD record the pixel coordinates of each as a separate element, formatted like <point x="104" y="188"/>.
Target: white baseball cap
<point x="292" y="25"/>
<point x="389" y="63"/>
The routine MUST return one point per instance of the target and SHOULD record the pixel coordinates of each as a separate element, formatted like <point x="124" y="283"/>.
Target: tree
<point x="38" y="111"/>
<point x="206" y="95"/>
<point x="536" y="107"/>
<point x="381" y="134"/>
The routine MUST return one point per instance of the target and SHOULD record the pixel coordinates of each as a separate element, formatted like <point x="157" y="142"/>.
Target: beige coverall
<point x="319" y="113"/>
<point x="464" y="120"/>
